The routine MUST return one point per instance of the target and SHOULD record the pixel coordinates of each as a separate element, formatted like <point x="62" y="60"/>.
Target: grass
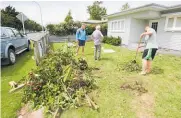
<point x="164" y="85"/>
<point x="11" y="102"/>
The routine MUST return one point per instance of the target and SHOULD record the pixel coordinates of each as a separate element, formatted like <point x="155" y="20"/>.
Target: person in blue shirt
<point x="81" y="38"/>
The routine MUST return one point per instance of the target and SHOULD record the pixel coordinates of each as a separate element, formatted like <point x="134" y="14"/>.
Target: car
<point x="12" y="43"/>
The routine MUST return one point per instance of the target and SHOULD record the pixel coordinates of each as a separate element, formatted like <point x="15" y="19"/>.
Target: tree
<point x="96" y="11"/>
<point x="8" y="19"/>
<point x="69" y="17"/>
<point x="125" y="7"/>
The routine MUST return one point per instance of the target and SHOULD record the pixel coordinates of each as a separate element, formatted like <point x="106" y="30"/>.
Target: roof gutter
<point x="171" y="14"/>
<point x="154" y="7"/>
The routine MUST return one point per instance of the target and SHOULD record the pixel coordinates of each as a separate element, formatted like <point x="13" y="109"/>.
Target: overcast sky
<point x="55" y="11"/>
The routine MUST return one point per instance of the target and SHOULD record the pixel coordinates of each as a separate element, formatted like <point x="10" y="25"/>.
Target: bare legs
<point x="78" y="50"/>
<point x="146" y="66"/>
<point x="82" y="50"/>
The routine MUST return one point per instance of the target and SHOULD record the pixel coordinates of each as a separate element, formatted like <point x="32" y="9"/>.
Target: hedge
<point x="112" y="40"/>
<point x="63" y="29"/>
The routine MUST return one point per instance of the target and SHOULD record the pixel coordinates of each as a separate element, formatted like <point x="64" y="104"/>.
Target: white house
<point x="129" y="24"/>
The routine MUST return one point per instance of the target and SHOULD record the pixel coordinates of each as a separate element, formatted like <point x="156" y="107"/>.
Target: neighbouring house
<point x="129" y="24"/>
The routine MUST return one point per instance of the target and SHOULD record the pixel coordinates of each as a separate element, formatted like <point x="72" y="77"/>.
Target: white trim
<point x="153" y="7"/>
<point x="174" y="27"/>
<point x="171" y="14"/>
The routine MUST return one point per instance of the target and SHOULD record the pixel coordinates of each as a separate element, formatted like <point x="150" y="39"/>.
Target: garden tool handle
<point x="137" y="48"/>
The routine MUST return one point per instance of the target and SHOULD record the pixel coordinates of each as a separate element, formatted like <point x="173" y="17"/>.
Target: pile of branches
<point x="59" y="82"/>
<point x="130" y="66"/>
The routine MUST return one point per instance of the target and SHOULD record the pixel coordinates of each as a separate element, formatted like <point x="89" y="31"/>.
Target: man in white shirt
<point x="97" y="36"/>
<point x="150" y="50"/>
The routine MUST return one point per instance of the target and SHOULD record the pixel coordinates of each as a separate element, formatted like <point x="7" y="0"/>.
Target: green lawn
<point x="161" y="101"/>
<point x="11" y="102"/>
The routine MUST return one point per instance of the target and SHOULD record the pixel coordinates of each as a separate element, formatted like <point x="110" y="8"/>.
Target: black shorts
<point x="149" y="54"/>
<point x="81" y="42"/>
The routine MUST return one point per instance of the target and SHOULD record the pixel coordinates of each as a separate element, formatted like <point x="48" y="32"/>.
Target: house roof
<point x="94" y="21"/>
<point x="172" y="9"/>
<point x="175" y="6"/>
<point x="152" y="6"/>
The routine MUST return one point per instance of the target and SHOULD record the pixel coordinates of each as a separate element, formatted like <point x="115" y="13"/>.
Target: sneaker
<point x="142" y="73"/>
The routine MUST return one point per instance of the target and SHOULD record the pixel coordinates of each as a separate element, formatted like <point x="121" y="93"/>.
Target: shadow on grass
<point x="157" y="70"/>
<point x="106" y="59"/>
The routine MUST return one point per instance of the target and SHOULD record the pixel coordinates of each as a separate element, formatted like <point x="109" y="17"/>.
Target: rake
<point x="134" y="61"/>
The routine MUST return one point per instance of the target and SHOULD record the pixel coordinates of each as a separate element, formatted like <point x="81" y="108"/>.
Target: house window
<point x="112" y="26"/>
<point x="117" y="26"/>
<point x="154" y="25"/>
<point x="178" y="22"/>
<point x="122" y="25"/>
<point x="170" y="22"/>
<point x="173" y="23"/>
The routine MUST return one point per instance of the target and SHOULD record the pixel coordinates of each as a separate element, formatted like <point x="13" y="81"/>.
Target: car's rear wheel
<point x="11" y="56"/>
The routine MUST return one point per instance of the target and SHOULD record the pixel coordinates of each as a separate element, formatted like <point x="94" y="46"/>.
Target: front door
<point x="154" y="24"/>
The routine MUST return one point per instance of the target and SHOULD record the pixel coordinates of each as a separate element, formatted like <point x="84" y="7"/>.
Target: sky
<point x="55" y="11"/>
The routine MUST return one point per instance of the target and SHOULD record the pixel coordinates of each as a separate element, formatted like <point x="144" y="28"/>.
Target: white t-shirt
<point x="151" y="41"/>
<point x="97" y="35"/>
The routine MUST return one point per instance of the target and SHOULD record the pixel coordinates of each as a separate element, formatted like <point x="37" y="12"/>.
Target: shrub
<point x="90" y="29"/>
<point x="59" y="82"/>
<point x="112" y="40"/>
<point x="69" y="28"/>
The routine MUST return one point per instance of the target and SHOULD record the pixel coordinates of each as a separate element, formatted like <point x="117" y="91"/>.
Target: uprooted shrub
<point x="134" y="86"/>
<point x="54" y="84"/>
<point x="112" y="40"/>
<point x="130" y="66"/>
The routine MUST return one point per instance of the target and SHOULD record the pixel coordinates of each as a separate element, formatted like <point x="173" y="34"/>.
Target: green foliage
<point x="68" y="18"/>
<point x="112" y="40"/>
<point x="90" y="29"/>
<point x="125" y="7"/>
<point x="68" y="27"/>
<point x="51" y="28"/>
<point x="129" y="66"/>
<point x="96" y="11"/>
<point x="8" y="19"/>
<point x="32" y="25"/>
<point x="60" y="81"/>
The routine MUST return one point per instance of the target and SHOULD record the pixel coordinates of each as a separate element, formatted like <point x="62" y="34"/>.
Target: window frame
<point x="11" y="31"/>
<point x="4" y="32"/>
<point x="113" y="22"/>
<point x="174" y="27"/>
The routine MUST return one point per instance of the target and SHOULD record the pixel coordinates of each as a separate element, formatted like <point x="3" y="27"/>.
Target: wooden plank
<point x="18" y="87"/>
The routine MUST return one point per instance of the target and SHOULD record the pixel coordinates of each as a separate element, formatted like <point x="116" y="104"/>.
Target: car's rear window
<point x="3" y="33"/>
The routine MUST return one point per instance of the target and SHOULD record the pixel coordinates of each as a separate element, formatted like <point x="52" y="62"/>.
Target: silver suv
<point x="12" y="43"/>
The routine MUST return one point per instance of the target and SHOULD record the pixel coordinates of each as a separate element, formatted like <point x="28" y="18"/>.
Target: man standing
<point x="150" y="50"/>
<point x="81" y="38"/>
<point x="97" y="36"/>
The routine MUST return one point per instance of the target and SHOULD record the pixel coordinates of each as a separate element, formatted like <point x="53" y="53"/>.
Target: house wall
<point x="168" y="40"/>
<point x="137" y="27"/>
<point x="149" y="14"/>
<point x="134" y="27"/>
<point x="124" y="35"/>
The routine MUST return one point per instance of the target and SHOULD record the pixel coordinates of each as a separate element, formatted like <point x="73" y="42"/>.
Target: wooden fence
<point x="40" y="45"/>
